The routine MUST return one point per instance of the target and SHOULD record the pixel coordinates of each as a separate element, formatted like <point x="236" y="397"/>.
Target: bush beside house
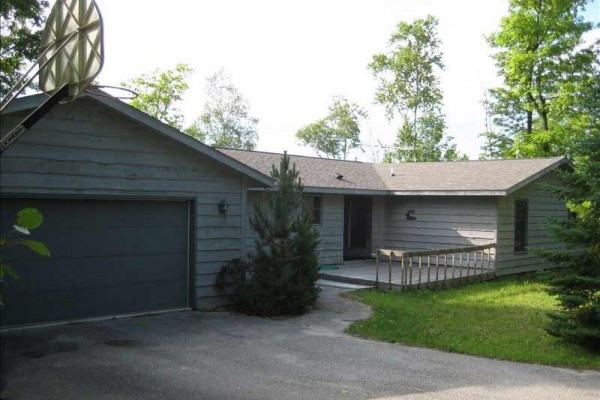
<point x="279" y="277"/>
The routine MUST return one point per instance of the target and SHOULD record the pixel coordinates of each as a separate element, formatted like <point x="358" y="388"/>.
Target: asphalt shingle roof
<point x="493" y="177"/>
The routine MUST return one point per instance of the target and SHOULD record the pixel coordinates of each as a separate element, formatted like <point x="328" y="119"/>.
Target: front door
<point x="357" y="227"/>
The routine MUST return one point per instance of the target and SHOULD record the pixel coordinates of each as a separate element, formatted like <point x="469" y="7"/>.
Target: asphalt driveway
<point x="194" y="355"/>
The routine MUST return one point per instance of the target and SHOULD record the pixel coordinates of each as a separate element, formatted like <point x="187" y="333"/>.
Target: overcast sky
<point x="290" y="58"/>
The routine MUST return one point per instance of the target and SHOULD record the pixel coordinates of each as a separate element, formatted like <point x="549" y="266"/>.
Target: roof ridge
<point x="392" y="164"/>
<point x="293" y="155"/>
<point x="474" y="161"/>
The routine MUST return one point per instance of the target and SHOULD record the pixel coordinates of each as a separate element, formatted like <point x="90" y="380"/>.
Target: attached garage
<point x="131" y="213"/>
<point x="108" y="258"/>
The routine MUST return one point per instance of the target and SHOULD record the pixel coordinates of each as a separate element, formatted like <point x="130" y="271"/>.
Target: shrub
<point x="279" y="277"/>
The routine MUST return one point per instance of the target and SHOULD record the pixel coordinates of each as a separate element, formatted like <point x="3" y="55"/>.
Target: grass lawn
<point x="501" y="319"/>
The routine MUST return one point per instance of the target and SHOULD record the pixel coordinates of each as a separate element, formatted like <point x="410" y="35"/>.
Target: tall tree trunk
<point x="529" y="122"/>
<point x="544" y="117"/>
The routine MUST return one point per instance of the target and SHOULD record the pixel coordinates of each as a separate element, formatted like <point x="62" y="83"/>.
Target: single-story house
<point x="140" y="217"/>
<point x="361" y="207"/>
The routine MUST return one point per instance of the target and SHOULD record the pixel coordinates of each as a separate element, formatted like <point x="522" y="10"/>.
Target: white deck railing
<point x="440" y="267"/>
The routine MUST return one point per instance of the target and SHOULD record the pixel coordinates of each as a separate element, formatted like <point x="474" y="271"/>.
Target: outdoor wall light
<point x="223" y="206"/>
<point x="410" y="215"/>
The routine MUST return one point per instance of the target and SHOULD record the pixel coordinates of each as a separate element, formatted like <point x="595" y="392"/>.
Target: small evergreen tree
<point x="280" y="278"/>
<point x="577" y="282"/>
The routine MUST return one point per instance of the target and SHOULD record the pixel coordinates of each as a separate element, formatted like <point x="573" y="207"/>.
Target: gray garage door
<point x="108" y="258"/>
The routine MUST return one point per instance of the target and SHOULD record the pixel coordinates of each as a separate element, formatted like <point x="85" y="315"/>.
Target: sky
<point x="290" y="58"/>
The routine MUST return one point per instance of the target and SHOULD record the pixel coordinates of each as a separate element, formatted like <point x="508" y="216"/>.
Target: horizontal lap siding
<point x="377" y="223"/>
<point x="330" y="230"/>
<point x="84" y="149"/>
<point x="441" y="222"/>
<point x="542" y="206"/>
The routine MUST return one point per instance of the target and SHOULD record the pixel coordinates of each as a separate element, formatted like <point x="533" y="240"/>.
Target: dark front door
<point x="357" y="227"/>
<point x="108" y="258"/>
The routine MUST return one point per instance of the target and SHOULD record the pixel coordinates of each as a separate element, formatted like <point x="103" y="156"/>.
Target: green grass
<point x="502" y="319"/>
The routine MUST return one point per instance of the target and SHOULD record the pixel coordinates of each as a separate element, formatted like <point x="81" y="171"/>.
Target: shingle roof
<point x="490" y="177"/>
<point x="465" y="176"/>
<point x="316" y="172"/>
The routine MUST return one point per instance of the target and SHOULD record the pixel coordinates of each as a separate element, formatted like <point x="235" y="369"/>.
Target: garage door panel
<point x="102" y="263"/>
<point x="67" y="273"/>
<point x="128" y="298"/>
<point x="27" y="307"/>
<point x="116" y="242"/>
<point x="109" y="214"/>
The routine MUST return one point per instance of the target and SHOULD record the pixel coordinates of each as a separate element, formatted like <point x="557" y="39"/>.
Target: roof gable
<point x="34" y="101"/>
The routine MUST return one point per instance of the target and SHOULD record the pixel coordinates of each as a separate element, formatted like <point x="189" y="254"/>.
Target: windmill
<point x="72" y="55"/>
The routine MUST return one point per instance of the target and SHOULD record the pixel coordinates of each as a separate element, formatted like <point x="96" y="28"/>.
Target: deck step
<point x="341" y="285"/>
<point x="346" y="279"/>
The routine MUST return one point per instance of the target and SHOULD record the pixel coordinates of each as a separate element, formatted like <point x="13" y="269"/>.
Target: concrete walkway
<point x="220" y="355"/>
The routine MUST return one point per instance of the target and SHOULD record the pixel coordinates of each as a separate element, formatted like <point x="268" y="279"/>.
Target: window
<point x="521" y="212"/>
<point x="314" y="208"/>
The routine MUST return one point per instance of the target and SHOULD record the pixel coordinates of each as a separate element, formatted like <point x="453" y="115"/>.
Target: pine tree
<point x="284" y="267"/>
<point x="577" y="283"/>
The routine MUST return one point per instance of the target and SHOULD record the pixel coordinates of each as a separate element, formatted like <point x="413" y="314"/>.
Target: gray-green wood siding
<point x="331" y="229"/>
<point x="441" y="222"/>
<point x="378" y="215"/>
<point x="84" y="149"/>
<point x="543" y="205"/>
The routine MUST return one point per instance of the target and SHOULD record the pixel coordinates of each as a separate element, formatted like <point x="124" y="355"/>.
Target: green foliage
<point x="409" y="89"/>
<point x="336" y="134"/>
<point x="280" y="277"/>
<point x="37" y="247"/>
<point x="195" y="131"/>
<point x="495" y="143"/>
<point x="27" y="219"/>
<point x="501" y="319"/>
<point x="225" y="121"/>
<point x="20" y="23"/>
<point x="159" y="92"/>
<point x="544" y="65"/>
<point x="577" y="282"/>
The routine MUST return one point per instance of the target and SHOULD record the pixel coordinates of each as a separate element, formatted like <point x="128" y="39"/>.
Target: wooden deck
<point x="398" y="270"/>
<point x="365" y="274"/>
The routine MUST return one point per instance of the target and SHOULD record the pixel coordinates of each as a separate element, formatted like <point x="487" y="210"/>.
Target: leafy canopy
<point x="225" y="121"/>
<point x="159" y="92"/>
<point x="20" y="23"/>
<point x="409" y="89"/>
<point x="336" y="134"/>
<point x="541" y="56"/>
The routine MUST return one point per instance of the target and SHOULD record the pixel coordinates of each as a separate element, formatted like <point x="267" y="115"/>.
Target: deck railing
<point x="440" y="267"/>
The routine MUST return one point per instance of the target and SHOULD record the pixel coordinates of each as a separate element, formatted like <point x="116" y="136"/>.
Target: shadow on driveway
<point x="220" y="355"/>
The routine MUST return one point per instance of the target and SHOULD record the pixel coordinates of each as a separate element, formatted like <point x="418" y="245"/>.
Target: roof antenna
<point x="71" y="58"/>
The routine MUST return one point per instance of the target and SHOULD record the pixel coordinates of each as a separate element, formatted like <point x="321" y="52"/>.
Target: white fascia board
<point x="323" y="190"/>
<point x="449" y="193"/>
